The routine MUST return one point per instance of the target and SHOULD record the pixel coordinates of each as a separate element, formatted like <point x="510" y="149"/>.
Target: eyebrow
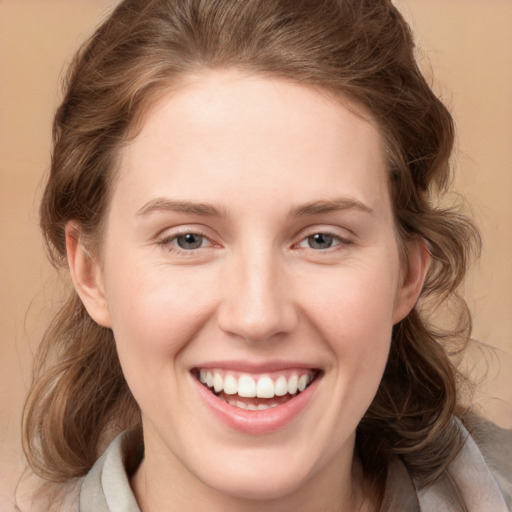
<point x="328" y="206"/>
<point x="164" y="204"/>
<point x="210" y="210"/>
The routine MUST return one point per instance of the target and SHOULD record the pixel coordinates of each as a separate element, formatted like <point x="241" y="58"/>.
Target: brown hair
<point x="361" y="50"/>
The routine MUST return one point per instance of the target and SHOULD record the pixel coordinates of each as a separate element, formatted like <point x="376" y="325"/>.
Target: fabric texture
<point x="106" y="487"/>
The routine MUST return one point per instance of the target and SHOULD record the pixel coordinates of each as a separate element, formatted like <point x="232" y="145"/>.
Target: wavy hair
<point x="358" y="50"/>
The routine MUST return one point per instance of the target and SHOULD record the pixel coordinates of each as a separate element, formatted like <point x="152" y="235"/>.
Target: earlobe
<point x="418" y="262"/>
<point x="86" y="276"/>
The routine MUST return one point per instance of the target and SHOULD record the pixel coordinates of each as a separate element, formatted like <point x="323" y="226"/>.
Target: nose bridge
<point x="256" y="303"/>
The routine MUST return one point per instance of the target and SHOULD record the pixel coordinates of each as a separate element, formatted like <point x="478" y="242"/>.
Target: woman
<point x="244" y="194"/>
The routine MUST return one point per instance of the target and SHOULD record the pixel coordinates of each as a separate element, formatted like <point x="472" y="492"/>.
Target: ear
<point x="86" y="276"/>
<point x="418" y="262"/>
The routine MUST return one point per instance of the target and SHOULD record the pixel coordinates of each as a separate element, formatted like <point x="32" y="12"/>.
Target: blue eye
<point x="321" y="241"/>
<point x="189" y="241"/>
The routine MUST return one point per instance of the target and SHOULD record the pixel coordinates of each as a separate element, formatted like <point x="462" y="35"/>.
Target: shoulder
<point x="495" y="445"/>
<point x="480" y="476"/>
<point x="471" y="476"/>
<point x="106" y="488"/>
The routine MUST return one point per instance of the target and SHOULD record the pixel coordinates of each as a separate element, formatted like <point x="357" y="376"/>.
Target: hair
<point x="361" y="51"/>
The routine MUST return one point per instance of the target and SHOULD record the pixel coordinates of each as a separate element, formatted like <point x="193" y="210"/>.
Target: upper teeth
<point x="264" y="386"/>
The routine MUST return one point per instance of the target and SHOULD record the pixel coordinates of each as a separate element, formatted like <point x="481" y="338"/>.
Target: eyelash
<point x="338" y="241"/>
<point x="170" y="242"/>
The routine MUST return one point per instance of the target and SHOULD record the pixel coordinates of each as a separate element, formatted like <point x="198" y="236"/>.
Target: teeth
<point x="230" y="385"/>
<point x="237" y="403"/>
<point x="217" y="382"/>
<point x="293" y="383"/>
<point x="265" y="388"/>
<point x="247" y="386"/>
<point x="281" y="386"/>
<point x="303" y="382"/>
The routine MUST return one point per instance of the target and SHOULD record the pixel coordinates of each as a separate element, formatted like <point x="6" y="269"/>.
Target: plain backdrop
<point x="466" y="45"/>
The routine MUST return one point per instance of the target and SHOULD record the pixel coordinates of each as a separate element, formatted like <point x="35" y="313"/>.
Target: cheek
<point x="154" y="307"/>
<point x="355" y="304"/>
<point x="154" y="313"/>
<point x="353" y="312"/>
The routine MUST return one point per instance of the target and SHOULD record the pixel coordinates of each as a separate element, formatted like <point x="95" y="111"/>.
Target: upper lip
<point x="255" y="367"/>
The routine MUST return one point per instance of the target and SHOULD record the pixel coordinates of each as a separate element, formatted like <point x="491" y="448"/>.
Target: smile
<point x="256" y="392"/>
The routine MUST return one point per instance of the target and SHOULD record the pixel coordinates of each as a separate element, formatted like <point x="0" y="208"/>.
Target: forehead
<point x="225" y="131"/>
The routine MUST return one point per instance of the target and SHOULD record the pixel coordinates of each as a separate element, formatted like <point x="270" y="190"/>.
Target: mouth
<point x="256" y="392"/>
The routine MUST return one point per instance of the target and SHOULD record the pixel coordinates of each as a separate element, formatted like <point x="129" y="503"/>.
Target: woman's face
<point x="250" y="248"/>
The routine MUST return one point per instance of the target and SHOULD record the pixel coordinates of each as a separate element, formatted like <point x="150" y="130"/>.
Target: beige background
<point x="468" y="44"/>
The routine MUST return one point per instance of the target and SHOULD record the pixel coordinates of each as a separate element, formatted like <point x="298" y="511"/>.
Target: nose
<point x="257" y="302"/>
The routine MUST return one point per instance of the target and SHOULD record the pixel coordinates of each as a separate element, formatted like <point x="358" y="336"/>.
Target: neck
<point x="172" y="488"/>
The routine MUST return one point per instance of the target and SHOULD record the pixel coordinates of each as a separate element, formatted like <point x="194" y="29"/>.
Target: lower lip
<point x="257" y="422"/>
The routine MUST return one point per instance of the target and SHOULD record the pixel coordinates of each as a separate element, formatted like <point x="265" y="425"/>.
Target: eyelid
<point x="168" y="235"/>
<point x="336" y="238"/>
<point x="347" y="239"/>
<point x="166" y="238"/>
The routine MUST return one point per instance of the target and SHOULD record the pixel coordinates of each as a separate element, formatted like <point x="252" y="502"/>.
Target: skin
<point x="255" y="290"/>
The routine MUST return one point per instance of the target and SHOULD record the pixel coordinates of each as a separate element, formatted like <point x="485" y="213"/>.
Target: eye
<point x="185" y="242"/>
<point x="320" y="241"/>
<point x="189" y="241"/>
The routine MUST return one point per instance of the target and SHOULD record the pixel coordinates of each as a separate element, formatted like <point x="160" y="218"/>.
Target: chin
<point x="268" y="484"/>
